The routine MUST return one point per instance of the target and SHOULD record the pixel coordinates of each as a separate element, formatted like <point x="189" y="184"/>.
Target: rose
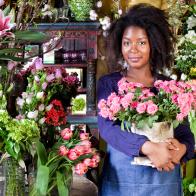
<point x="63" y="151"/>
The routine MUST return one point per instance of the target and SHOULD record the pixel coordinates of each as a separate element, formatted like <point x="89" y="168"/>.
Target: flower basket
<point x="14" y="178"/>
<point x="159" y="132"/>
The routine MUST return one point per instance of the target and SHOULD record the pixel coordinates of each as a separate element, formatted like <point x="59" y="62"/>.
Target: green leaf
<point x="9" y="57"/>
<point x="6" y="11"/>
<point x="10" y="50"/>
<point x="41" y="152"/>
<point x="32" y="36"/>
<point x="63" y="189"/>
<point x="42" y="180"/>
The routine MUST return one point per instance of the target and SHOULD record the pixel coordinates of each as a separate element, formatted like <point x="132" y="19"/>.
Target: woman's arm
<point x="126" y="142"/>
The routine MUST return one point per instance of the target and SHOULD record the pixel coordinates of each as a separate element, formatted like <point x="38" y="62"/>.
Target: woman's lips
<point x="134" y="59"/>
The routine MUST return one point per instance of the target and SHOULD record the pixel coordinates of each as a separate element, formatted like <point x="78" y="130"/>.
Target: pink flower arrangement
<point x="170" y="101"/>
<point x="77" y="148"/>
<point x="73" y="153"/>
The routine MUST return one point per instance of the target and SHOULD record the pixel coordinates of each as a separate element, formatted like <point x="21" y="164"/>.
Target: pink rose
<point x="66" y="133"/>
<point x="152" y="108"/>
<point x="141" y="108"/>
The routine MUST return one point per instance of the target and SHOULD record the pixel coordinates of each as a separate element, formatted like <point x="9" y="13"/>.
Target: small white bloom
<point x="191" y="22"/>
<point x="20" y="102"/>
<point x="120" y="12"/>
<point x="48" y="108"/>
<point x="183" y="76"/>
<point x="42" y="120"/>
<point x="36" y="78"/>
<point x="99" y="4"/>
<point x="41" y="107"/>
<point x="24" y="95"/>
<point x="93" y="15"/>
<point x="173" y="77"/>
<point x="29" y="99"/>
<point x="32" y="115"/>
<point x="40" y="95"/>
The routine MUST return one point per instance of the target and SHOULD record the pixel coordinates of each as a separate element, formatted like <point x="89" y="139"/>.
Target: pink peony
<point x="66" y="133"/>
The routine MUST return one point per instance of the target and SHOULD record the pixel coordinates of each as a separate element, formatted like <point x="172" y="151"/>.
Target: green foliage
<point x="81" y="8"/>
<point x="189" y="186"/>
<point x="78" y="104"/>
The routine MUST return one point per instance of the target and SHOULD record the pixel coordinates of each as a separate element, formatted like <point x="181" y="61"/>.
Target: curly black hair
<point x="155" y="22"/>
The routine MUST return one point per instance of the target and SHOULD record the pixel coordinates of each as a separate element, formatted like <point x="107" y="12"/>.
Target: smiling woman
<point x="142" y="39"/>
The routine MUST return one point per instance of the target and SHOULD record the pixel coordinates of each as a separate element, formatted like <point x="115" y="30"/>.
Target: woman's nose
<point x="133" y="48"/>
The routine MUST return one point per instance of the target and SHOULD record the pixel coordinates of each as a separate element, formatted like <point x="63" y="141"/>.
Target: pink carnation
<point x="141" y="108"/>
<point x="152" y="108"/>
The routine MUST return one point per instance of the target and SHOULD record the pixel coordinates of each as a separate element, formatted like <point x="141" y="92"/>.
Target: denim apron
<point x="120" y="178"/>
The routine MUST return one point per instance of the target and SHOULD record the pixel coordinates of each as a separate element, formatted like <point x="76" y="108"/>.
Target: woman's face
<point x="136" y="47"/>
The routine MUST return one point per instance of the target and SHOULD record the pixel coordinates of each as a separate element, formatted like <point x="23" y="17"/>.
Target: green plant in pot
<point x="80" y="9"/>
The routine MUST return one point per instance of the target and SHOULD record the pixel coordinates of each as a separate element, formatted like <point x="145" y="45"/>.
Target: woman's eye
<point x="141" y="43"/>
<point x="126" y="43"/>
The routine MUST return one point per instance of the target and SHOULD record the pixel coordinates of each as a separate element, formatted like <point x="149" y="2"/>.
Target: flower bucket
<point x="14" y="178"/>
<point x="158" y="133"/>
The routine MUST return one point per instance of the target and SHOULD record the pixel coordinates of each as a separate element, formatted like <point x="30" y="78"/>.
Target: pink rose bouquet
<point x="134" y="104"/>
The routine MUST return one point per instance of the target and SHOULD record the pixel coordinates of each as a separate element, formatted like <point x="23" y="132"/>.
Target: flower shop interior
<point x="52" y="53"/>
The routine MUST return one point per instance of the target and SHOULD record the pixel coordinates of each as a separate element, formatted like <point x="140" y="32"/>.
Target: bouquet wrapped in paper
<point x="152" y="112"/>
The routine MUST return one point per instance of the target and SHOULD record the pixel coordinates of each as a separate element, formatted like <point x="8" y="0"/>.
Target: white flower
<point x="183" y="76"/>
<point x="120" y="12"/>
<point x="105" y="22"/>
<point x="29" y="99"/>
<point x="36" y="78"/>
<point x="48" y="108"/>
<point x="40" y="95"/>
<point x="93" y="15"/>
<point x="24" y="95"/>
<point x="191" y="22"/>
<point x="99" y="4"/>
<point x="32" y="115"/>
<point x="20" y="102"/>
<point x="41" y="107"/>
<point x="167" y="72"/>
<point x="173" y="77"/>
<point x="42" y="120"/>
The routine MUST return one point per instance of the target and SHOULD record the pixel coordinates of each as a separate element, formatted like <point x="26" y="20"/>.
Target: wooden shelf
<point x="82" y="90"/>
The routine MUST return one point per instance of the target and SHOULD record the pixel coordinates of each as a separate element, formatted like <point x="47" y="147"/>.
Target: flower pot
<point x="81" y="9"/>
<point x="158" y="133"/>
<point x="14" y="178"/>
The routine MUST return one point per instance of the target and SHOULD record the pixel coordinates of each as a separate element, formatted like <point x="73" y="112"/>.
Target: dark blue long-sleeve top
<point x="127" y="142"/>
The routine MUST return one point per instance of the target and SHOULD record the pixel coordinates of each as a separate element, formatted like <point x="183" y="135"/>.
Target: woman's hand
<point x="159" y="154"/>
<point x="177" y="150"/>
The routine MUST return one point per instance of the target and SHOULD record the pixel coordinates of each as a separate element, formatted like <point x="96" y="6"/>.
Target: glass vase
<point x="14" y="178"/>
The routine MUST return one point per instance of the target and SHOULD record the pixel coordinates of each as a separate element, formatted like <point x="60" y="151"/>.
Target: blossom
<point x="11" y="65"/>
<point x="50" y="77"/>
<point x="141" y="107"/>
<point x="72" y="154"/>
<point x="80" y="169"/>
<point x="63" y="151"/>
<point x="99" y="4"/>
<point x="20" y="102"/>
<point x="38" y="64"/>
<point x="33" y="114"/>
<point x="66" y="134"/>
<point x="1" y="2"/>
<point x="58" y="74"/>
<point x="152" y="108"/>
<point x="40" y="95"/>
<point x="4" y="23"/>
<point x="93" y="15"/>
<point x="41" y="107"/>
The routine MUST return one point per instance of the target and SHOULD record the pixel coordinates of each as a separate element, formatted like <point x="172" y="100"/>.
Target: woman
<point x="143" y="39"/>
